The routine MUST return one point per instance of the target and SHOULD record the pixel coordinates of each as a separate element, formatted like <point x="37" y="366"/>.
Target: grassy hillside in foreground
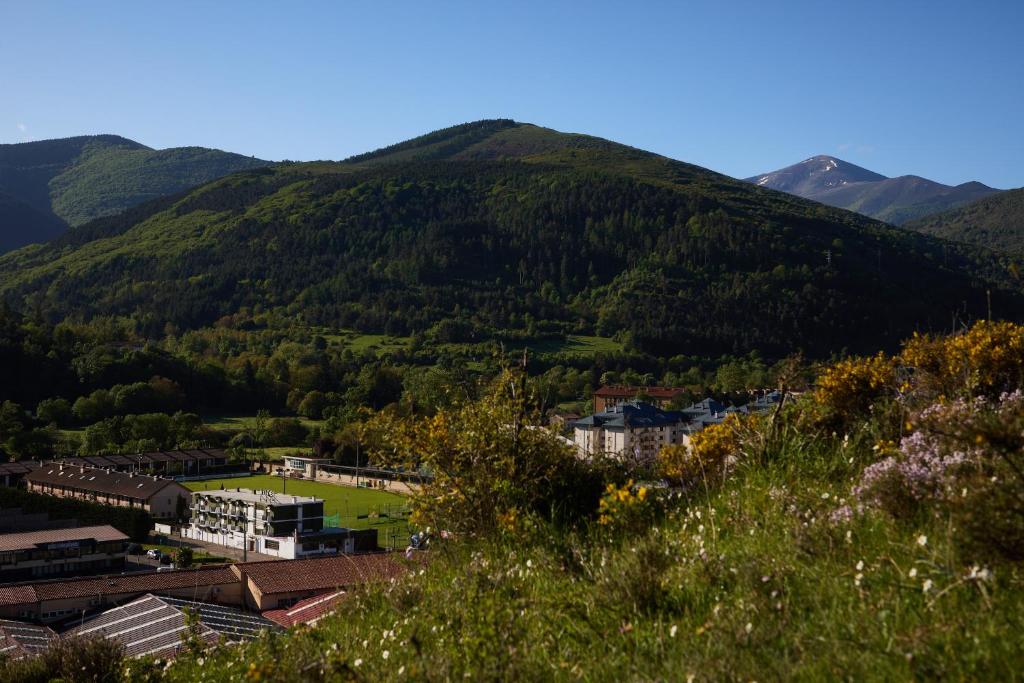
<point x="498" y="225"/>
<point x="996" y="222"/>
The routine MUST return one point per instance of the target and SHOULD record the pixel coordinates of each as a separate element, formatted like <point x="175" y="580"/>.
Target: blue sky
<point x="903" y="86"/>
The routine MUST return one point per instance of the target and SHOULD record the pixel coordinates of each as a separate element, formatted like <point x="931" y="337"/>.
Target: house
<point x="635" y="431"/>
<point x="61" y="552"/>
<point x="307" y="467"/>
<point x="187" y="463"/>
<point x="277" y="585"/>
<point x="162" y="498"/>
<point x="610" y="396"/>
<point x="261" y="586"/>
<point x="155" y="625"/>
<point x="270" y="523"/>
<point x="55" y="600"/>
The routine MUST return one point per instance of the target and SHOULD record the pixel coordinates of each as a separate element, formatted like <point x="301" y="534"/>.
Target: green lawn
<point x="575" y="344"/>
<point x="357" y="508"/>
<point x="243" y="422"/>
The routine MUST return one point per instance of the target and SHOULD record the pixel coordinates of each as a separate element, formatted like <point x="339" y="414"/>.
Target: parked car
<point x="154" y="553"/>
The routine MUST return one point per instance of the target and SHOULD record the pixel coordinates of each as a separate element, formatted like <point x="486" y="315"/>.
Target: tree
<point x="183" y="557"/>
<point x="55" y="411"/>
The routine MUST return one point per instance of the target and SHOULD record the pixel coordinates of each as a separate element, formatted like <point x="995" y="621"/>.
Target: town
<point x="192" y="532"/>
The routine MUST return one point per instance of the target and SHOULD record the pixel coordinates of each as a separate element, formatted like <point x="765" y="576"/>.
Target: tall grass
<point x="755" y="581"/>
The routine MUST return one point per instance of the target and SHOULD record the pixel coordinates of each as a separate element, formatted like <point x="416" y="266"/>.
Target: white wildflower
<point x="912" y="573"/>
<point x="926" y="586"/>
<point x="385" y="654"/>
<point x="860" y="565"/>
<point x="357" y="663"/>
<point x="672" y="631"/>
<point x="749" y="627"/>
<point x="922" y="540"/>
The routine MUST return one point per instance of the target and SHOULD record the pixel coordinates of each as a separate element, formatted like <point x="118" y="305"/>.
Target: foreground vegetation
<point x="869" y="530"/>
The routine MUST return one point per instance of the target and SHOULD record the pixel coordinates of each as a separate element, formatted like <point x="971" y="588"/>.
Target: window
<point x="271" y="545"/>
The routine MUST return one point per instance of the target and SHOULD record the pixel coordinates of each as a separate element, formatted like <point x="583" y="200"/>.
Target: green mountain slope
<point x="996" y="222"/>
<point x="32" y="225"/>
<point x="500" y="225"/>
<point x="75" y="180"/>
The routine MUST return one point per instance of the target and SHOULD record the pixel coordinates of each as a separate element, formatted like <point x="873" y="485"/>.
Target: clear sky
<point x="929" y="87"/>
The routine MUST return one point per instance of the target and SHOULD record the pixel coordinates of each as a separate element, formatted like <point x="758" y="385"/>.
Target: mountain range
<point x="498" y="225"/>
<point x="839" y="183"/>
<point x="48" y="185"/>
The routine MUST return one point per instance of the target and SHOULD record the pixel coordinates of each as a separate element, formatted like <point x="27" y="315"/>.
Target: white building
<point x="266" y="522"/>
<point x="633" y="431"/>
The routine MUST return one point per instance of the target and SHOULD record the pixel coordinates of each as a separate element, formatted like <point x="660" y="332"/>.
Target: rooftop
<point x="29" y="540"/>
<point x="308" y="611"/>
<point x="29" y="592"/>
<point x="322" y="573"/>
<point x="154" y="625"/>
<point x="19" y="640"/>
<point x="126" y="484"/>
<point x="634" y="414"/>
<point x="251" y="496"/>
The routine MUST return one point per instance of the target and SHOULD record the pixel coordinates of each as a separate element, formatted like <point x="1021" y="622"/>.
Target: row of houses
<point x="636" y="430"/>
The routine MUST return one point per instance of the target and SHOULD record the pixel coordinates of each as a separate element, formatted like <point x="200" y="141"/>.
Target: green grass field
<point x="243" y="422"/>
<point x="357" y="508"/>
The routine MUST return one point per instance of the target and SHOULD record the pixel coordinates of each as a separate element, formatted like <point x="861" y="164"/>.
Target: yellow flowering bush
<point x="703" y="460"/>
<point x="848" y="388"/>
<point x="985" y="360"/>
<point x="625" y="507"/>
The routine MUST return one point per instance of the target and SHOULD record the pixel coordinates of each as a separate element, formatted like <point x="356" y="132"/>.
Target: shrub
<point x="493" y="464"/>
<point x="74" y="660"/>
<point x="846" y="390"/>
<point x="985" y="360"/>
<point x="705" y="459"/>
<point x="626" y="507"/>
<point x="966" y="459"/>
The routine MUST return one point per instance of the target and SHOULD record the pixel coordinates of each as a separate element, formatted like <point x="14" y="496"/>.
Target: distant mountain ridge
<point x="839" y="183"/>
<point x="995" y="221"/>
<point x="49" y="184"/>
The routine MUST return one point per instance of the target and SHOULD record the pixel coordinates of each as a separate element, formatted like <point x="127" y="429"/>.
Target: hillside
<point x="75" y="180"/>
<point x="996" y="222"/>
<point x="841" y="184"/>
<point x="501" y="225"/>
<point x="31" y="225"/>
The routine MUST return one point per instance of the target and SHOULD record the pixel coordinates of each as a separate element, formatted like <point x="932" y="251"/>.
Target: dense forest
<point x="492" y="227"/>
<point x="48" y="185"/>
<point x="996" y="222"/>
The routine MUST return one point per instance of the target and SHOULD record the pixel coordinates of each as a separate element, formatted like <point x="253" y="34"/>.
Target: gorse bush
<point x="705" y="460"/>
<point x="493" y="465"/>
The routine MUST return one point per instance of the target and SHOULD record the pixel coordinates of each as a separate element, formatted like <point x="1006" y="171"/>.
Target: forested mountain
<point x="996" y="222"/>
<point x="839" y="183"/>
<point x="49" y="184"/>
<point x="501" y="225"/>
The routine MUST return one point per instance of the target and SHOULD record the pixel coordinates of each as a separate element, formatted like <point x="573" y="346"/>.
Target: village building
<point x="610" y="396"/>
<point x="634" y="431"/>
<point x="61" y="552"/>
<point x="19" y="640"/>
<point x="271" y="523"/>
<point x="161" y="498"/>
<point x="296" y="465"/>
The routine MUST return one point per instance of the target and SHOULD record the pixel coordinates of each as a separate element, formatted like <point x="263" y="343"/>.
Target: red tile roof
<point x="114" y="584"/>
<point x="28" y="540"/>
<point x="323" y="573"/>
<point x="308" y="611"/>
<point x="19" y="640"/>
